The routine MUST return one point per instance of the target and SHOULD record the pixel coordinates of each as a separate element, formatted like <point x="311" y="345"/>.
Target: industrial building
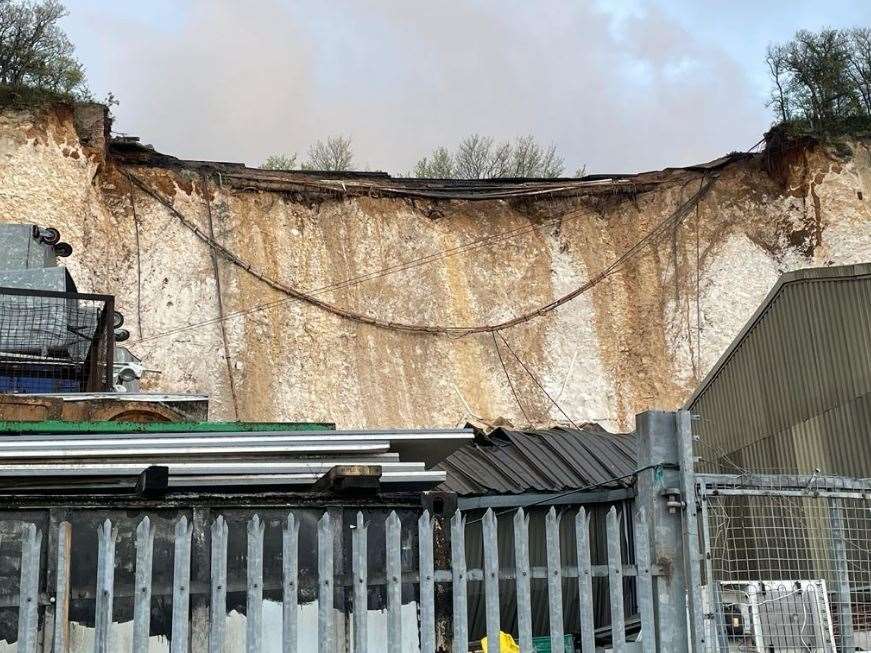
<point x="793" y="390"/>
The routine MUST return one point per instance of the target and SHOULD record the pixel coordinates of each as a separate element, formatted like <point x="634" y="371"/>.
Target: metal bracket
<point x="673" y="499"/>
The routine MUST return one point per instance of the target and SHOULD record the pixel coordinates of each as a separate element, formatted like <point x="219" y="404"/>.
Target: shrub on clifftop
<point x="36" y="56"/>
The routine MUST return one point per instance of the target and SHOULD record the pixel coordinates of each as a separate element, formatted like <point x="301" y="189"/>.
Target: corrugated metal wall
<point x="794" y="390"/>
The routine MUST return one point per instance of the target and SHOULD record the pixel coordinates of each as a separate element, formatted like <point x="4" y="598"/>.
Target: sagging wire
<point x="538" y="383"/>
<point x="459" y="331"/>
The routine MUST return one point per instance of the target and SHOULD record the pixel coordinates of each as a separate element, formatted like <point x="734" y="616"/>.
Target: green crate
<point x="542" y="644"/>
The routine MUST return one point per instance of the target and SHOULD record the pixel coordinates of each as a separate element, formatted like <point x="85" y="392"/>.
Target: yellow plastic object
<point x="506" y="643"/>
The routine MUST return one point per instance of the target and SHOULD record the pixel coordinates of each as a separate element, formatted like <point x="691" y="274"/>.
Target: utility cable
<point x="552" y="497"/>
<point x="382" y="272"/>
<point x="216" y="270"/>
<point x="508" y="377"/>
<point x="536" y="381"/>
<point x="457" y="331"/>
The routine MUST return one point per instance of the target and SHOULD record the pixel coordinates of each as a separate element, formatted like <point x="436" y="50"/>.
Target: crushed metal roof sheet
<point x="506" y="461"/>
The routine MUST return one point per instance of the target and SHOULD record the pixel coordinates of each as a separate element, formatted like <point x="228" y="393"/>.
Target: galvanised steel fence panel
<point x="788" y="562"/>
<point x="424" y="575"/>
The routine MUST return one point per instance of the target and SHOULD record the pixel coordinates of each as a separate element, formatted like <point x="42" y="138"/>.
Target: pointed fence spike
<point x="325" y="584"/>
<point x="218" y="601"/>
<point x="427" y="583"/>
<point x="491" y="579"/>
<point x="459" y="581"/>
<point x="62" y="588"/>
<point x="393" y="536"/>
<point x="142" y="585"/>
<point x="554" y="580"/>
<point x="522" y="580"/>
<point x="585" y="582"/>
<point x="290" y="572"/>
<point x="254" y="608"/>
<point x="644" y="581"/>
<point x="359" y="553"/>
<point x="181" y="578"/>
<point x="615" y="582"/>
<point x="106" y="537"/>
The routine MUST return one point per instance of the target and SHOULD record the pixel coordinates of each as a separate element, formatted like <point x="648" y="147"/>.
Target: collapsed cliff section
<point x="319" y="276"/>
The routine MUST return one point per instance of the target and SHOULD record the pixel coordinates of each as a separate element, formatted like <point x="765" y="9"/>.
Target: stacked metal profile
<point x="215" y="459"/>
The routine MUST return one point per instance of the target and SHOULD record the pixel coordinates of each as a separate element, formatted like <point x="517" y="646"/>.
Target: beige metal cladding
<point x="793" y="390"/>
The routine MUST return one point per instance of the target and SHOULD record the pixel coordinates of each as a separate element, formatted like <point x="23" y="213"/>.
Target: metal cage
<point x="54" y="341"/>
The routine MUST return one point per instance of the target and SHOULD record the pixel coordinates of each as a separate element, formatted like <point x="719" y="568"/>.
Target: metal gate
<point x="787" y="562"/>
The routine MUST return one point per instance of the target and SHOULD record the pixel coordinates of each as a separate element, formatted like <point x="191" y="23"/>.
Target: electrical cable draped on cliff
<point x="457" y="331"/>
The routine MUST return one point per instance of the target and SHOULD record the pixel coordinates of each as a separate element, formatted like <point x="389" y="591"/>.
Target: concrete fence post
<point x="660" y="496"/>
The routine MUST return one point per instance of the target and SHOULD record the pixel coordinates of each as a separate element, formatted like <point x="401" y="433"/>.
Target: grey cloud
<point x="235" y="83"/>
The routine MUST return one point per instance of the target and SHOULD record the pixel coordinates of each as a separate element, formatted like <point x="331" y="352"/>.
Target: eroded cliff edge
<point x="640" y="338"/>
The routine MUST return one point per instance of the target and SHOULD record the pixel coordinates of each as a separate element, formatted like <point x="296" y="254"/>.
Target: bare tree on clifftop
<point x="334" y="154"/>
<point x="35" y="53"/>
<point x="481" y="157"/>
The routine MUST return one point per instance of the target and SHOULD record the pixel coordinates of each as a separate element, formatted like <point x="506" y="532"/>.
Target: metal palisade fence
<point x="426" y="576"/>
<point x="188" y="574"/>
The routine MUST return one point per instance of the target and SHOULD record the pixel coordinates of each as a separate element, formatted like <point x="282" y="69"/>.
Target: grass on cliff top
<point x="832" y="134"/>
<point x="824" y="132"/>
<point x="27" y="97"/>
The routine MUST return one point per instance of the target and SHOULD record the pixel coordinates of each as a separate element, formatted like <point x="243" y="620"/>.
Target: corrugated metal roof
<point x="786" y="393"/>
<point x="505" y="461"/>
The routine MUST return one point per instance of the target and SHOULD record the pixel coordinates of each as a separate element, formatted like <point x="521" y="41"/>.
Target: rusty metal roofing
<point x="505" y="461"/>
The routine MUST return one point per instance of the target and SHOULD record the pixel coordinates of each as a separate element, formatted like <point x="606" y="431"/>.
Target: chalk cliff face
<point x="641" y="338"/>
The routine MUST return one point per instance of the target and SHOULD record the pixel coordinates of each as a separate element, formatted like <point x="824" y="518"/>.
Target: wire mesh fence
<point x="788" y="563"/>
<point x="55" y="341"/>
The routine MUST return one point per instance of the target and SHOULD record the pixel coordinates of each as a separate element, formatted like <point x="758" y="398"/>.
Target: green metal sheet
<point x="52" y="426"/>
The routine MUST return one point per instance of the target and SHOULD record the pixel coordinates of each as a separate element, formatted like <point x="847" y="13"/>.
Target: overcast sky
<point x="617" y="85"/>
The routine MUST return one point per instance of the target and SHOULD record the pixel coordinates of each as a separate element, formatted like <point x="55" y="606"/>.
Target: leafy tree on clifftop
<point x="822" y="79"/>
<point x="280" y="162"/>
<point x="35" y="53"/>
